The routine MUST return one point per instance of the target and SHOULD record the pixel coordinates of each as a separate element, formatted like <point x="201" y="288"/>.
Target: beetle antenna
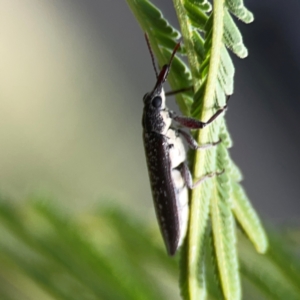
<point x="161" y="78"/>
<point x="151" y="53"/>
<point x="174" y="52"/>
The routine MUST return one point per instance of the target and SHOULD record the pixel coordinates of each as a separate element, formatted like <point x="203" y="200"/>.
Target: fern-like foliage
<point x="109" y="254"/>
<point x="207" y="31"/>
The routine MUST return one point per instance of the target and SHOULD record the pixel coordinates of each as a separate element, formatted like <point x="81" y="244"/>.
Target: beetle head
<point x="155" y="100"/>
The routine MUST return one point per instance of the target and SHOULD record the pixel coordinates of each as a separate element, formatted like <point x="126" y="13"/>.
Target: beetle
<point x="165" y="153"/>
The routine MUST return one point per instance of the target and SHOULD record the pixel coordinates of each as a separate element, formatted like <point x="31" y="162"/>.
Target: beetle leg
<point x="196" y="124"/>
<point x="186" y="173"/>
<point x="186" y="89"/>
<point x="193" y="123"/>
<point x="193" y="143"/>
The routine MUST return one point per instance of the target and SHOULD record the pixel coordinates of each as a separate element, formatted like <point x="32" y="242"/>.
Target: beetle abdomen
<point x="169" y="192"/>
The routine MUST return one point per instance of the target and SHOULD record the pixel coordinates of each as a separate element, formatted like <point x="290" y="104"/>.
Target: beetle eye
<point x="156" y="102"/>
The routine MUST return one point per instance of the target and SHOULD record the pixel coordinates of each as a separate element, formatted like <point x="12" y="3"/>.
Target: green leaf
<point x="232" y="37"/>
<point x="239" y="10"/>
<point x="224" y="241"/>
<point x="248" y="219"/>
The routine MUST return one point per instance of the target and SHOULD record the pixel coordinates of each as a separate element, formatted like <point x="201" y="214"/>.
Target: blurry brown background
<point x="72" y="77"/>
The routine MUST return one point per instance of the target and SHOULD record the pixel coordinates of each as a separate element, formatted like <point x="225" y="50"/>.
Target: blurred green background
<point x="67" y="127"/>
<point x="72" y="77"/>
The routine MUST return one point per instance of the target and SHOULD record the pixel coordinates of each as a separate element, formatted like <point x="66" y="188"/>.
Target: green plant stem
<point x="186" y="30"/>
<point x="200" y="196"/>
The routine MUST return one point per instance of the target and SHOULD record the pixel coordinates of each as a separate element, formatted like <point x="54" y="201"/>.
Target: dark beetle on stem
<point x="169" y="174"/>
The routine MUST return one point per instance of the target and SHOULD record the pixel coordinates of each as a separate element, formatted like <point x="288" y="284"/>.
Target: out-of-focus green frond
<point x="109" y="254"/>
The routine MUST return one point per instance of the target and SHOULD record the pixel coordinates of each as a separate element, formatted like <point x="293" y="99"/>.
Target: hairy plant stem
<point x="200" y="196"/>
